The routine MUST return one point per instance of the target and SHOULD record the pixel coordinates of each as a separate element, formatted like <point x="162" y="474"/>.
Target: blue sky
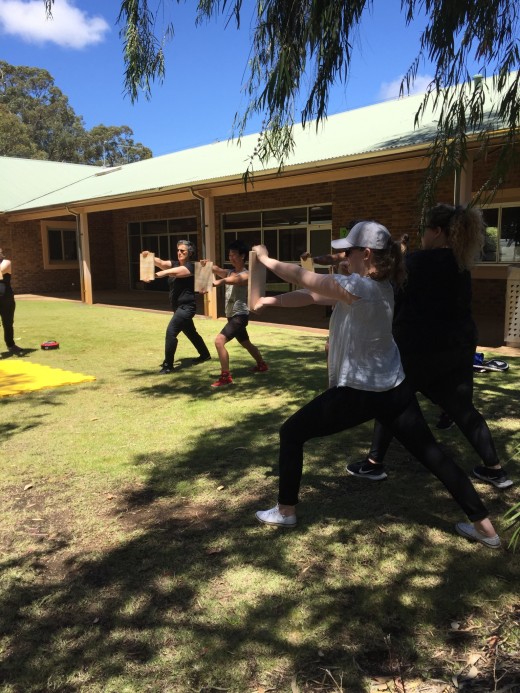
<point x="205" y="65"/>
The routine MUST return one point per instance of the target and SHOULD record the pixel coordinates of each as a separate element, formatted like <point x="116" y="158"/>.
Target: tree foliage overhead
<point x="37" y="122"/>
<point x="300" y="49"/>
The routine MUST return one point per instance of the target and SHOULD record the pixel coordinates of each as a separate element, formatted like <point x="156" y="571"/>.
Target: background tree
<point x="44" y="125"/>
<point x="15" y="139"/>
<point x="111" y="146"/>
<point x="300" y="49"/>
<point x="30" y="94"/>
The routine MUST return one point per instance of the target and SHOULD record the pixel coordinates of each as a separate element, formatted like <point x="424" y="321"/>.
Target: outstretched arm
<point x="162" y="264"/>
<point x="322" y="284"/>
<point x="180" y="271"/>
<point x="294" y="299"/>
<point x="220" y="271"/>
<point x="330" y="259"/>
<point x="239" y="278"/>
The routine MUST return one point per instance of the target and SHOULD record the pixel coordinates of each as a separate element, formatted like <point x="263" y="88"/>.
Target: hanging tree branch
<point x="301" y="48"/>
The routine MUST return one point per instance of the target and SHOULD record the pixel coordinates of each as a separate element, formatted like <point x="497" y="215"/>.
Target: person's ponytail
<point x="389" y="264"/>
<point x="464" y="230"/>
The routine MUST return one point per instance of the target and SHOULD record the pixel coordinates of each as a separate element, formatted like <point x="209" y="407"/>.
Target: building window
<point x="59" y="243"/>
<point x="159" y="236"/>
<point x="286" y="232"/>
<point x="502" y="240"/>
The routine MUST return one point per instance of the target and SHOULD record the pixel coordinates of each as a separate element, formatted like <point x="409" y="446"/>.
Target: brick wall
<point x="102" y="251"/>
<point x="24" y="248"/>
<point x="489" y="310"/>
<point x="489" y="297"/>
<point x="22" y="244"/>
<point x="482" y="169"/>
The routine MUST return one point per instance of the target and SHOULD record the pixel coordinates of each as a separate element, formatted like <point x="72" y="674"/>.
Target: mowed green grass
<point x="130" y="558"/>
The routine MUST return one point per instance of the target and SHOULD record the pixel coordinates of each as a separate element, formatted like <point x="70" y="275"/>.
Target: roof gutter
<point x="200" y="198"/>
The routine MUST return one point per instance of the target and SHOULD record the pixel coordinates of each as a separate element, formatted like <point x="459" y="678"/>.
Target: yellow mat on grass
<point x="18" y="376"/>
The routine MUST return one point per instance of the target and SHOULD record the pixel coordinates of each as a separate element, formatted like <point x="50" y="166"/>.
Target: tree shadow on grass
<point x="30" y="417"/>
<point x="306" y="376"/>
<point x="175" y="590"/>
<point x="200" y="596"/>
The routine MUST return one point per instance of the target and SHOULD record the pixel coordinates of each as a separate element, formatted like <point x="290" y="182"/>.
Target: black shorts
<point x="236" y="328"/>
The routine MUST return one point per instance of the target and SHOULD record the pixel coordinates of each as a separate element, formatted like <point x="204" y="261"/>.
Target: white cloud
<point x="70" y="27"/>
<point x="390" y="90"/>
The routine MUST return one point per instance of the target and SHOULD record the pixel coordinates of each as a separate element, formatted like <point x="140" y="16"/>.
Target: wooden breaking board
<point x="203" y="277"/>
<point x="147" y="267"/>
<point x="256" y="281"/>
<point x="307" y="264"/>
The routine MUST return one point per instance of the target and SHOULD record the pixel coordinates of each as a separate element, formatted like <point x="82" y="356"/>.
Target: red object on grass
<point x="51" y="344"/>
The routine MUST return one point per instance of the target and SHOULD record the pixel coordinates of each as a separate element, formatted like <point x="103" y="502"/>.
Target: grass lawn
<point x="130" y="558"/>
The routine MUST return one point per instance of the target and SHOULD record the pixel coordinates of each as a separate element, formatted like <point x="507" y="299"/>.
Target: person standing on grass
<point x="437" y="337"/>
<point x="181" y="282"/>
<point x="7" y="305"/>
<point x="366" y="377"/>
<point x="237" y="312"/>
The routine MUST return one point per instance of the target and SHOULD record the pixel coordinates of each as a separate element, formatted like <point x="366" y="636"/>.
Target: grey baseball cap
<point x="365" y="234"/>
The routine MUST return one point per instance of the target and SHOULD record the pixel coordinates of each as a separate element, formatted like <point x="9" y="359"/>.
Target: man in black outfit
<point x="181" y="282"/>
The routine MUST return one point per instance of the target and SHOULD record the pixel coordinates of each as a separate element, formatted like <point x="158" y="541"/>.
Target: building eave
<point x="341" y="168"/>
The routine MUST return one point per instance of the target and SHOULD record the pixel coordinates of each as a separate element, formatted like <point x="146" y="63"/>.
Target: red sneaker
<point x="225" y="379"/>
<point x="261" y="367"/>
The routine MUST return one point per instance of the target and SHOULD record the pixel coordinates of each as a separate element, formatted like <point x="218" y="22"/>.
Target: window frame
<point x="499" y="207"/>
<point x="310" y="226"/>
<point x="54" y="225"/>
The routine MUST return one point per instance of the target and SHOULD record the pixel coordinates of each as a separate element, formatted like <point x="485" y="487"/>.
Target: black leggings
<point x="341" y="408"/>
<point x="7" y="308"/>
<point x="182" y="321"/>
<point x="446" y="379"/>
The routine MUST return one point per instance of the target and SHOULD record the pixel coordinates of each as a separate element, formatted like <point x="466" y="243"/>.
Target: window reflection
<point x="510" y="235"/>
<point x="489" y="250"/>
<point x="502" y="234"/>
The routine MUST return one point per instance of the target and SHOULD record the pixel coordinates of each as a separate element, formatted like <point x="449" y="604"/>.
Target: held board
<point x="307" y="264"/>
<point x="256" y="281"/>
<point x="203" y="277"/>
<point x="147" y="267"/>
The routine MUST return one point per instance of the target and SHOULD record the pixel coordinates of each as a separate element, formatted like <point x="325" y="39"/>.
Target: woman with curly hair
<point x="437" y="336"/>
<point x="366" y="379"/>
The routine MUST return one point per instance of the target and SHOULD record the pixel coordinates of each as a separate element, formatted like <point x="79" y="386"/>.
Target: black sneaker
<point x="201" y="359"/>
<point x="368" y="470"/>
<point x="444" y="422"/>
<point x="16" y="350"/>
<point x="165" y="370"/>
<point x="497" y="477"/>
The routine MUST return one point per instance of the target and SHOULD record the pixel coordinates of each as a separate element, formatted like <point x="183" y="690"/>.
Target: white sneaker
<point x="465" y="529"/>
<point x="275" y="517"/>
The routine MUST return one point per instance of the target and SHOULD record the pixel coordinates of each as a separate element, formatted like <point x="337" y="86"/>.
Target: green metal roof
<point x="354" y="134"/>
<point x="27" y="181"/>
